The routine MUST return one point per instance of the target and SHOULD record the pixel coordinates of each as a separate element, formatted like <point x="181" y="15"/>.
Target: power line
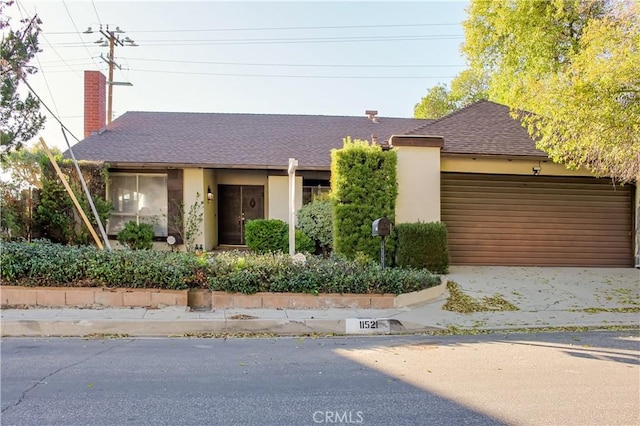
<point x="59" y="56"/>
<point x="83" y="61"/>
<point x="46" y="82"/>
<point x="42" y="34"/>
<point x="44" y="76"/>
<point x="113" y="40"/>
<point x="330" y="27"/>
<point x="316" y="39"/>
<point x="289" y="75"/>
<point x="48" y="109"/>
<point x="78" y="32"/>
<point x="261" y="41"/>
<point x="65" y="61"/>
<point x="93" y="3"/>
<point x="292" y="65"/>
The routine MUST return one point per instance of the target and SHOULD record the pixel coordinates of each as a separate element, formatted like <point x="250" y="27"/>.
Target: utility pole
<point x="112" y="40"/>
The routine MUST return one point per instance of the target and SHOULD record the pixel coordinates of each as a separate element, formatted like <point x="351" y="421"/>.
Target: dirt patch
<point x="241" y="317"/>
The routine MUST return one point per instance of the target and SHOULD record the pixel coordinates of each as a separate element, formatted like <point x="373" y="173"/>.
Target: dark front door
<point x="236" y="205"/>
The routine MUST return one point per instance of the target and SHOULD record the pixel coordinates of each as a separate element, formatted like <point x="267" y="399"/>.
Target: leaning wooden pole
<point x="71" y="194"/>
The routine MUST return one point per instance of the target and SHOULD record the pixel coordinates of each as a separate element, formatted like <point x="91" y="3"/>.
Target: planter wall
<point x="17" y="296"/>
<point x="201" y="299"/>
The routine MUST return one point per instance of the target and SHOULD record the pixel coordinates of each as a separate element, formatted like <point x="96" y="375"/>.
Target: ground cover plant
<point x="46" y="264"/>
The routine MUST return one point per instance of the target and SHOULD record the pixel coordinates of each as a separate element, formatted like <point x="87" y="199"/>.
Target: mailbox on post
<point x="381" y="228"/>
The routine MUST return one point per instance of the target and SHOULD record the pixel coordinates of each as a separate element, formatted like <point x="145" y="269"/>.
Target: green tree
<point x="19" y="196"/>
<point x="20" y="117"/>
<point x="15" y="212"/>
<point x="517" y="42"/>
<point x="435" y="104"/>
<point x="24" y="166"/>
<point x="55" y="215"/>
<point x="597" y="125"/>
<point x="466" y="88"/>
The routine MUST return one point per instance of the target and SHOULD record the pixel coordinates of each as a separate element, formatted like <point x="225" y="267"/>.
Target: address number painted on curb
<point x="367" y="326"/>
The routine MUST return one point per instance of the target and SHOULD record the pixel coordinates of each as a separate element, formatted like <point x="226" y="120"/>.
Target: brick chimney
<point x="95" y="102"/>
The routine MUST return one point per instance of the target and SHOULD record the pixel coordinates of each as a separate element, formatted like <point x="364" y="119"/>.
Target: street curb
<point x="204" y="328"/>
<point x="163" y="328"/>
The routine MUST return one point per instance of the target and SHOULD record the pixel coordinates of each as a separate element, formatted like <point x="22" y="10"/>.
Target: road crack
<point x="42" y="380"/>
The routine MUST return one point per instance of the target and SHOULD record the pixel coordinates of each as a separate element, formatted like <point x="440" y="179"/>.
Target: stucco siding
<point x="418" y="184"/>
<point x="278" y="197"/>
<point x="195" y="190"/>
<point x="506" y="166"/>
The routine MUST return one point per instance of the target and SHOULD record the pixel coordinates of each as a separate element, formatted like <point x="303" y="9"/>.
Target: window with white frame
<point x="139" y="197"/>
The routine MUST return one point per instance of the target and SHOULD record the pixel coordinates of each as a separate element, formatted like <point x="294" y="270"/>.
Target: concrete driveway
<point x="546" y="297"/>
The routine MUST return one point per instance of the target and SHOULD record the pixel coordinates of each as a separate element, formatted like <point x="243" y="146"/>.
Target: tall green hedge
<point x="423" y="245"/>
<point x="364" y="188"/>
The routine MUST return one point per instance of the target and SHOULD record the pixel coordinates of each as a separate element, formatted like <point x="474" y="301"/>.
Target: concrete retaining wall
<point x="17" y="297"/>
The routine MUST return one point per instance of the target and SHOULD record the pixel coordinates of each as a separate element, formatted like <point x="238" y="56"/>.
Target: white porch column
<point x="293" y="163"/>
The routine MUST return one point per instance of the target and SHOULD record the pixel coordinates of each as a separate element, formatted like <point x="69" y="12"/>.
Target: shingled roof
<point x="482" y="128"/>
<point x="223" y="140"/>
<point x="267" y="141"/>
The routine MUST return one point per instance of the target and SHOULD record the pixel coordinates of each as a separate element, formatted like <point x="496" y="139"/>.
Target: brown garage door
<point x="536" y="220"/>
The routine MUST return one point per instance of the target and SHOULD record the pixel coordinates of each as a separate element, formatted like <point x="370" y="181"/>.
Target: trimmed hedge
<point x="272" y="235"/>
<point x="423" y="245"/>
<point x="364" y="188"/>
<point x="46" y="264"/>
<point x="237" y="272"/>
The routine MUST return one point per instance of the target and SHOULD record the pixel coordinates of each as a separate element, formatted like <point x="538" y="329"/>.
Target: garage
<point x="537" y="220"/>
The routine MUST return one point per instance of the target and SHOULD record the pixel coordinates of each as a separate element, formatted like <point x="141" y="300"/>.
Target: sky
<point x="302" y="57"/>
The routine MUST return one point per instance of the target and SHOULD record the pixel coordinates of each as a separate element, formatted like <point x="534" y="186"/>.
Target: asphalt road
<point x="555" y="378"/>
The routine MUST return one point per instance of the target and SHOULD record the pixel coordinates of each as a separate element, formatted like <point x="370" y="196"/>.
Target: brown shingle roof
<point x="240" y="140"/>
<point x="483" y="128"/>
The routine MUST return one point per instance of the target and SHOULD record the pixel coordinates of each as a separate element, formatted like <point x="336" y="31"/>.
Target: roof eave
<point x="496" y="156"/>
<point x="137" y="165"/>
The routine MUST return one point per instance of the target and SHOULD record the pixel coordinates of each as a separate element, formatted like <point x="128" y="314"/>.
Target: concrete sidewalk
<point x="546" y="297"/>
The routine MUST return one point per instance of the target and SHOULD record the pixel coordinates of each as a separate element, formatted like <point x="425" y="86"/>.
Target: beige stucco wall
<point x="418" y="184"/>
<point x="242" y="177"/>
<point x="195" y="190"/>
<point x="210" y="210"/>
<point x="278" y="197"/>
<point x="504" y="166"/>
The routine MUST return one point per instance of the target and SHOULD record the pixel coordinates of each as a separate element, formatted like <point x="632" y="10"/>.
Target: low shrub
<point x="422" y="245"/>
<point x="315" y="219"/>
<point x="276" y="272"/>
<point x="272" y="236"/>
<point x="136" y="236"/>
<point x="46" y="264"/>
